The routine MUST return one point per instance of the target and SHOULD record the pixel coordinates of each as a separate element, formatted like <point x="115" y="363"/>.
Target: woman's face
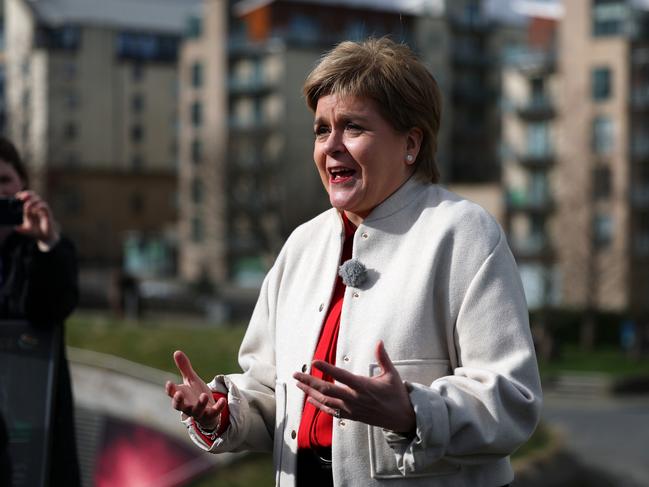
<point x="10" y="181"/>
<point x="361" y="158"/>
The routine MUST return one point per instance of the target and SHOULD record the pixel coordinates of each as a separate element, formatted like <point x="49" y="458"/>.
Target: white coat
<point x="444" y="294"/>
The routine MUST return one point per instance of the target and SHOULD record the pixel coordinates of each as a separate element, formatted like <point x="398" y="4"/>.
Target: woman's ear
<point x="413" y="144"/>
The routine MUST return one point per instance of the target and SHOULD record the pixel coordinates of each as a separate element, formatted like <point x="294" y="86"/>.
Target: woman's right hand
<point x="193" y="397"/>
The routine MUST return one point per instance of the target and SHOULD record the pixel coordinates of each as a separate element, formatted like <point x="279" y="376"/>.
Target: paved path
<point x="607" y="433"/>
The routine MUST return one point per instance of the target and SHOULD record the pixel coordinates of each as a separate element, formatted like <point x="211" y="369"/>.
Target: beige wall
<point x="598" y="277"/>
<point x="208" y="255"/>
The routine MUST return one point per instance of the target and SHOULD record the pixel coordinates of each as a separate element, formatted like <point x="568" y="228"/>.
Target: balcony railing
<point x="640" y="196"/>
<point x="471" y="57"/>
<point x="520" y="200"/>
<point x="533" y="246"/>
<point x="537" y="108"/>
<point x="257" y="85"/>
<point x="537" y="159"/>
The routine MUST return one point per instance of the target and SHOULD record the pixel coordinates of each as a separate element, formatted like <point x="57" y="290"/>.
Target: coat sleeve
<point x="52" y="288"/>
<point x="251" y="394"/>
<point x="491" y="404"/>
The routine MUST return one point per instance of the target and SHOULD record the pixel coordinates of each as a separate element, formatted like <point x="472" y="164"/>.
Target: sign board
<point x="28" y="359"/>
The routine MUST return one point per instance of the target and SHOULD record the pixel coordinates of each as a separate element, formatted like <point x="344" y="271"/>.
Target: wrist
<point x="48" y="244"/>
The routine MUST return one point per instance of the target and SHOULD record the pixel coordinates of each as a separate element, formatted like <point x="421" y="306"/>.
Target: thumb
<point x="184" y="366"/>
<point x="383" y="358"/>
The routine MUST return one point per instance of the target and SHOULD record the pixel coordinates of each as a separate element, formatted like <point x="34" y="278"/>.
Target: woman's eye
<point x="353" y="128"/>
<point x="320" y="131"/>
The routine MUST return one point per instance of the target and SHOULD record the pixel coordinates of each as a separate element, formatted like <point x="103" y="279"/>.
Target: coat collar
<point x="398" y="200"/>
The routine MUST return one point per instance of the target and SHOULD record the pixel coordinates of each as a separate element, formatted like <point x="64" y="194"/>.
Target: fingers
<point x="383" y="358"/>
<point x="184" y="366"/>
<point x="322" y="388"/>
<point x="338" y="412"/>
<point x="341" y="375"/>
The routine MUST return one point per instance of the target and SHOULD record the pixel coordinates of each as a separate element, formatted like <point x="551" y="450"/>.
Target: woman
<point x="38" y="282"/>
<point x="422" y="369"/>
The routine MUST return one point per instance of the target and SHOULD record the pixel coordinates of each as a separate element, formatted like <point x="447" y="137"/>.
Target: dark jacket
<point x="43" y="288"/>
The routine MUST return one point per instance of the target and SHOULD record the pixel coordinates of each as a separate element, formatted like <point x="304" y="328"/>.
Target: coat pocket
<point x="280" y="425"/>
<point x="383" y="463"/>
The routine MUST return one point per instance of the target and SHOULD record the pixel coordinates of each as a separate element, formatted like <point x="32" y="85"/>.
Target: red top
<point x="315" y="426"/>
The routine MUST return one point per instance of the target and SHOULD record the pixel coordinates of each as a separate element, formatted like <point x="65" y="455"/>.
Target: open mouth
<point x="340" y="174"/>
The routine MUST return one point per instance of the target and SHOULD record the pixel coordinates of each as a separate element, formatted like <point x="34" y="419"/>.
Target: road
<point x="610" y="434"/>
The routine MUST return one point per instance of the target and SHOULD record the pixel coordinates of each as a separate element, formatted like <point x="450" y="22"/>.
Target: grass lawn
<point x="152" y="342"/>
<point x="610" y="361"/>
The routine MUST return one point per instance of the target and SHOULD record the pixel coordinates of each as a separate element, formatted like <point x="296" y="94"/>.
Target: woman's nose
<point x="334" y="143"/>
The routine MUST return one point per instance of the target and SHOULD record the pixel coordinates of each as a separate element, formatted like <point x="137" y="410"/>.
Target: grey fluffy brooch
<point x="353" y="273"/>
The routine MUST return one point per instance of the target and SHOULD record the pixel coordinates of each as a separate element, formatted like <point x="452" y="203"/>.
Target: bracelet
<point x="211" y="433"/>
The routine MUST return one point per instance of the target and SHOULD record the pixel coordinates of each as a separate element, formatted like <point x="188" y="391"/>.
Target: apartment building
<point x="92" y="100"/>
<point x="602" y="233"/>
<point x="529" y="160"/>
<point x="247" y="175"/>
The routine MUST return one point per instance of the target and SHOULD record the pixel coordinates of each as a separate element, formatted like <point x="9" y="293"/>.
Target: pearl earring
<point x="409" y="158"/>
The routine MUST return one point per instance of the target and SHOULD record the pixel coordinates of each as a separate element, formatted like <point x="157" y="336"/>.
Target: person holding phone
<point x="39" y="283"/>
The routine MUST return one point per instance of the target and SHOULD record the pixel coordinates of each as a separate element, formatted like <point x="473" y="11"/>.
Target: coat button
<point x="304" y="368"/>
<point x="355" y="294"/>
<point x="321" y="307"/>
<point x="365" y="235"/>
<point x="293" y="434"/>
<point x="345" y="358"/>
<point x="341" y="423"/>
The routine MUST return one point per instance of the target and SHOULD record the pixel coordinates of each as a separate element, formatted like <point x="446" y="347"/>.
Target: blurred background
<point x="171" y="139"/>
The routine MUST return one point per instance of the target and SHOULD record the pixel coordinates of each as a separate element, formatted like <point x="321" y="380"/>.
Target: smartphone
<point x="11" y="211"/>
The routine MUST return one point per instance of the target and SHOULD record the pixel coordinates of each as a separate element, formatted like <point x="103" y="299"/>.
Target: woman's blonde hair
<point x="405" y="92"/>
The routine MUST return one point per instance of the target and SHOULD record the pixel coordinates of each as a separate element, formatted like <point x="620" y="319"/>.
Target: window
<point x="136" y="203"/>
<point x="197" y="229"/>
<point x="197" y="75"/>
<point x="137" y="163"/>
<point x="137" y="133"/>
<point x="71" y="100"/>
<point x="537" y="88"/>
<point x="608" y="17"/>
<point x="137" y="73"/>
<point x="137" y="103"/>
<point x="602" y="135"/>
<point x="601" y="84"/>
<point x="601" y="182"/>
<point x="197" y="191"/>
<point x="602" y="230"/>
<point x="145" y="46"/>
<point x="70" y="131"/>
<point x="538" y="139"/>
<point x="197" y="151"/>
<point x="194" y="27"/>
<point x="196" y="114"/>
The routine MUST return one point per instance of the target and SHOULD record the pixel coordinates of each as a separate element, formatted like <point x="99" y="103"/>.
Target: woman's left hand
<point x="381" y="400"/>
<point x="38" y="221"/>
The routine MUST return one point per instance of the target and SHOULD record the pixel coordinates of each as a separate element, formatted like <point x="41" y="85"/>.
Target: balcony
<point x="532" y="247"/>
<point x="537" y="159"/>
<point x="254" y="86"/>
<point x="470" y="23"/>
<point x="640" y="148"/>
<point x="473" y="93"/>
<point x="529" y="202"/>
<point x="640" y="196"/>
<point x="471" y="57"/>
<point x="537" y="108"/>
<point x="640" y="99"/>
